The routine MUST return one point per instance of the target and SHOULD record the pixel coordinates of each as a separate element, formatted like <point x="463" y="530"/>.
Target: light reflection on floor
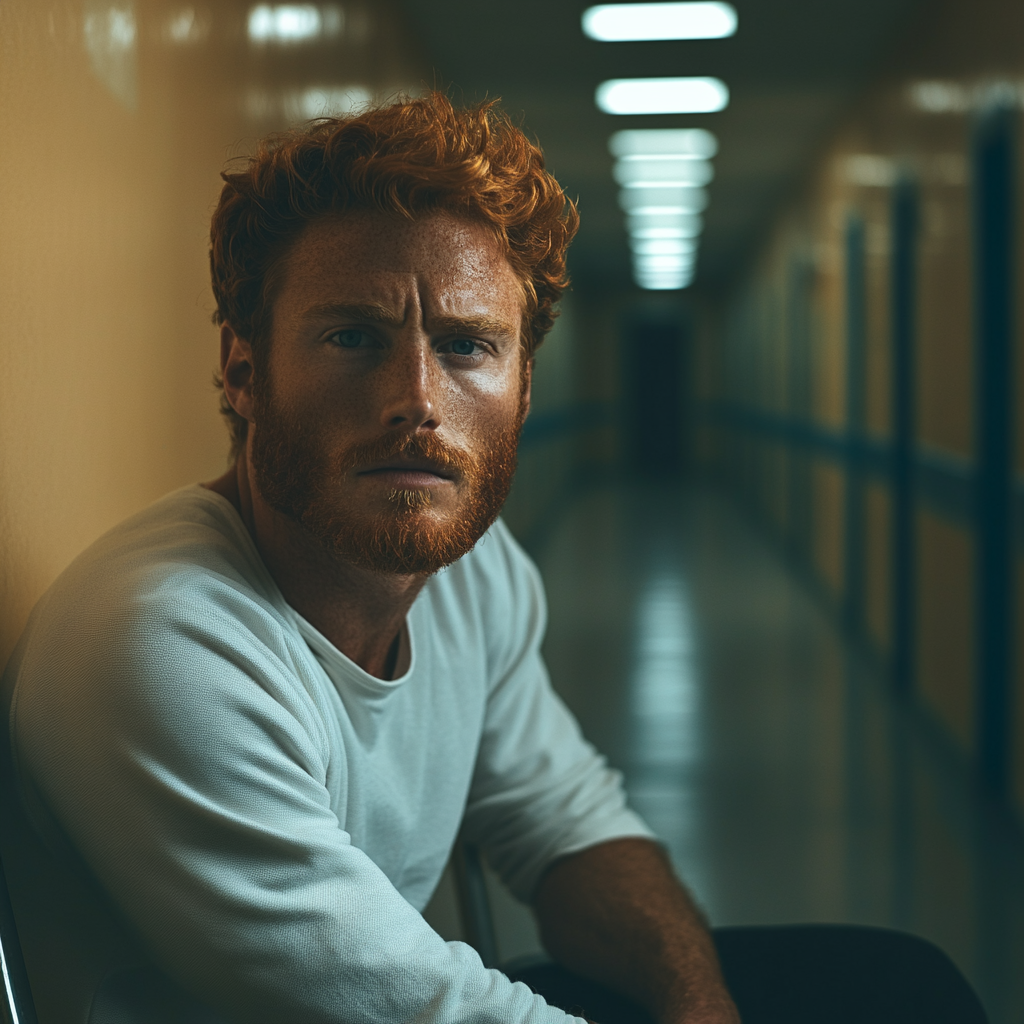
<point x="786" y="783"/>
<point x="663" y="693"/>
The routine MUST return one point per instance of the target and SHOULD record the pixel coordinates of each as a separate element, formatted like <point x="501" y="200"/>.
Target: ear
<point x="527" y="385"/>
<point x="236" y="371"/>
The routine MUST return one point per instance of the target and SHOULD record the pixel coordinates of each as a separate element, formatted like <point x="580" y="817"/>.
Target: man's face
<point x="387" y="420"/>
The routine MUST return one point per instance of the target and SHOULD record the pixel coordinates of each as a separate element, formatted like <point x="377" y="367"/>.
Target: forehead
<point x="443" y="263"/>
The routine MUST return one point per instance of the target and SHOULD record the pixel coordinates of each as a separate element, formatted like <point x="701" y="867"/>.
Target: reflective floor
<point x="787" y="784"/>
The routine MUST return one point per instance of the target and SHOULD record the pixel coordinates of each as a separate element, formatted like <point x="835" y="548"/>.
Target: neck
<point x="361" y="612"/>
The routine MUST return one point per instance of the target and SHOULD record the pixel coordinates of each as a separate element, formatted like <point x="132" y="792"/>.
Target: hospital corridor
<point x="771" y="473"/>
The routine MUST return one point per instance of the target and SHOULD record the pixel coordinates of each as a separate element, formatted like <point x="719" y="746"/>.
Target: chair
<point x="132" y="996"/>
<point x="474" y="903"/>
<point x="478" y="931"/>
<point x="17" y="1006"/>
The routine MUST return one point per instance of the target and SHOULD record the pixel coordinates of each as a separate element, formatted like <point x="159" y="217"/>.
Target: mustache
<point x="446" y="456"/>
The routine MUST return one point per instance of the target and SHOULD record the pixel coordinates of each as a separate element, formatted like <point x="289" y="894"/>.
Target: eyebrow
<point x="473" y="325"/>
<point x="375" y="313"/>
<point x="349" y="311"/>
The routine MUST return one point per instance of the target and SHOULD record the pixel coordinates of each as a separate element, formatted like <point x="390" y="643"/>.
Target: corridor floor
<point x="787" y="784"/>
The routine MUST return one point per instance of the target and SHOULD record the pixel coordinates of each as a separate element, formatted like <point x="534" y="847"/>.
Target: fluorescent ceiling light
<point x="682" y="198"/>
<point x="649" y="157"/>
<point x="662" y="282"/>
<point x="664" y="212"/>
<point x="959" y="97"/>
<point x="662" y="246"/>
<point x="294" y="23"/>
<point x="689" y="224"/>
<point x="326" y="101"/>
<point x="662" y="173"/>
<point x="641" y="233"/>
<point x="677" y="274"/>
<point x="677" y="271"/>
<point x="665" y="262"/>
<point x="303" y="104"/>
<point x="666" y="265"/>
<point x="646" y="142"/>
<point x="666" y="271"/>
<point x="662" y="96"/>
<point x="665" y="278"/>
<point x="615" y="23"/>
<point x="286" y="23"/>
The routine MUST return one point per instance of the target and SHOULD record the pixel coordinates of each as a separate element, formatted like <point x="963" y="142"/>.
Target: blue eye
<point x="464" y="347"/>
<point x="351" y="338"/>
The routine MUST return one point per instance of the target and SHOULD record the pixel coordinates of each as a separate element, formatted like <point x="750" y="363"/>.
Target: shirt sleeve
<point x="188" y="769"/>
<point x="540" y="791"/>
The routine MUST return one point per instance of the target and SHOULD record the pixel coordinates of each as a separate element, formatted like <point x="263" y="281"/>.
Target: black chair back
<point x="474" y="903"/>
<point x="16" y="1006"/>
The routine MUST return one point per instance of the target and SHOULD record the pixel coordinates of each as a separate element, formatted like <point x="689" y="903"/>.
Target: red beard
<point x="294" y="470"/>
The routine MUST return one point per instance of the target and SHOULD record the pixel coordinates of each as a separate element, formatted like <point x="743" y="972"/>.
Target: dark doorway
<point x="654" y="398"/>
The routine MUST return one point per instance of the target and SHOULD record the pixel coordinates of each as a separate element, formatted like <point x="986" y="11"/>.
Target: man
<point x="248" y="723"/>
<point x="258" y="711"/>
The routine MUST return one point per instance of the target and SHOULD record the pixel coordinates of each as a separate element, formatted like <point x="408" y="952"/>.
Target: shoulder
<point x="188" y="529"/>
<point x="497" y="569"/>
<point x="189" y="546"/>
<point x="497" y="587"/>
<point x="168" y="608"/>
<point x="161" y="639"/>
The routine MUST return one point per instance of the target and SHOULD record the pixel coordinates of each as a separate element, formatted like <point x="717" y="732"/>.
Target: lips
<point x="409" y="461"/>
<point x="409" y="466"/>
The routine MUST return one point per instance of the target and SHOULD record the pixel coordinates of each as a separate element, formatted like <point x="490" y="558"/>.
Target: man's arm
<point x="184" y="745"/>
<point x="616" y="913"/>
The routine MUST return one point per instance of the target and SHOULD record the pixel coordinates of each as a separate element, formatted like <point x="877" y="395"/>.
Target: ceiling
<point x="792" y="68"/>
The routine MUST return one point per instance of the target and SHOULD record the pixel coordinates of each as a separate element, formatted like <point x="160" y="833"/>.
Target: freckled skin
<point x="356" y="377"/>
<point x="422" y="270"/>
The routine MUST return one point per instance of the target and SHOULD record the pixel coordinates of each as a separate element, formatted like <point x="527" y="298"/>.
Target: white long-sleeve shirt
<point x="266" y="818"/>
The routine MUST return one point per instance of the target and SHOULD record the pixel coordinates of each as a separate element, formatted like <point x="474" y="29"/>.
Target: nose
<point x="410" y="388"/>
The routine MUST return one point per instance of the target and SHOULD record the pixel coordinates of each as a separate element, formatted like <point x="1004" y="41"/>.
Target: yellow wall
<point x="873" y="206"/>
<point x="916" y="121"/>
<point x="945" y="624"/>
<point x="117" y="118"/>
<point x="828" y="520"/>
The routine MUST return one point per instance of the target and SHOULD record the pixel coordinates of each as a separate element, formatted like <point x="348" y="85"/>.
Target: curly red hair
<point x="408" y="158"/>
